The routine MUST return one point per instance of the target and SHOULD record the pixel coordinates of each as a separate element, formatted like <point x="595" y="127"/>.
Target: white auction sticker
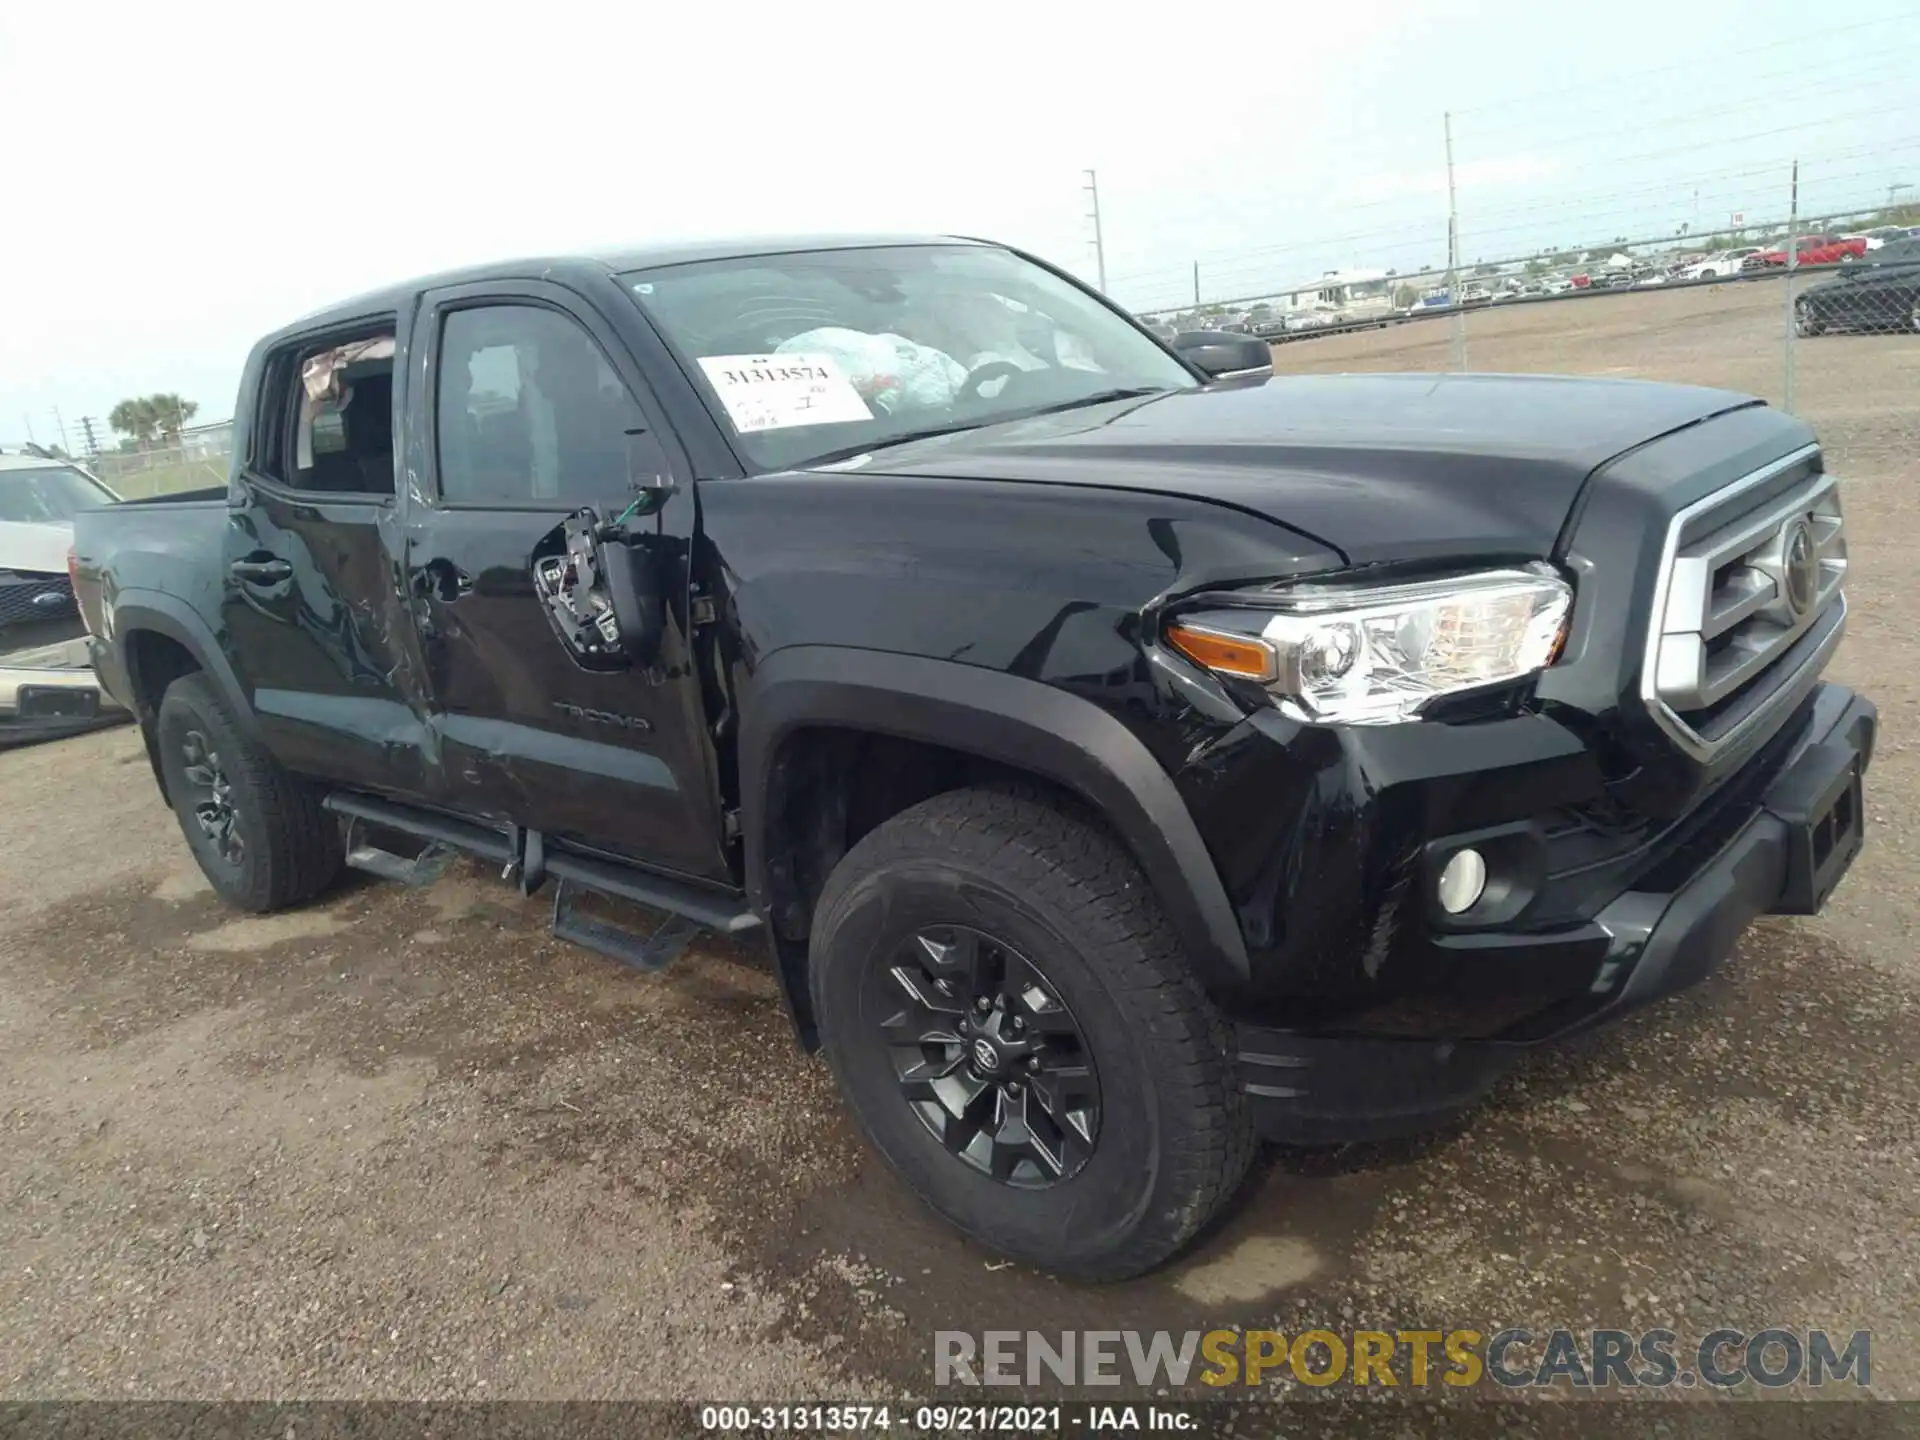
<point x="776" y="392"/>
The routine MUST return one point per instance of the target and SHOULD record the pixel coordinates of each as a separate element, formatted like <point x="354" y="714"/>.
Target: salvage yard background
<point x="402" y="1144"/>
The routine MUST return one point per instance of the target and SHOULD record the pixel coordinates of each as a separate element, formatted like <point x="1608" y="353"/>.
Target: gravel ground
<point x="404" y="1145"/>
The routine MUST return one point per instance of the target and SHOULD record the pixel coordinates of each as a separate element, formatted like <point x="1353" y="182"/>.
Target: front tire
<point x="1008" y="1014"/>
<point x="257" y="831"/>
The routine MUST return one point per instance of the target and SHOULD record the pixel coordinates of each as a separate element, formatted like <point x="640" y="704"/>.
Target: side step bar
<point x="449" y="830"/>
<point x="642" y="952"/>
<point x="709" y="908"/>
<point x="525" y="857"/>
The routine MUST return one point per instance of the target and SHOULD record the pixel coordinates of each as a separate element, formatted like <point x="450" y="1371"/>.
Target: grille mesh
<point x="24" y="598"/>
<point x="1750" y="599"/>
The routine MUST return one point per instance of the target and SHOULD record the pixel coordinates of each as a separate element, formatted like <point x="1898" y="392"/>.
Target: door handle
<point x="260" y="572"/>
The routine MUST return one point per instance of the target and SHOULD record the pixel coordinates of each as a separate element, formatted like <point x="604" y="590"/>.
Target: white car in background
<point x="1719" y="265"/>
<point x="47" y="684"/>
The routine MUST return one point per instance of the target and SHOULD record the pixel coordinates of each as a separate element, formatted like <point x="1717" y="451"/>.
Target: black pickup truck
<point x="1123" y="753"/>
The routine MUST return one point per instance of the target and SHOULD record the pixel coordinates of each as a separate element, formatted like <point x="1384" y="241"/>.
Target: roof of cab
<point x="600" y="262"/>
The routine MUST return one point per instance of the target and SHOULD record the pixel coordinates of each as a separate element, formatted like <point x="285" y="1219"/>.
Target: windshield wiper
<point x="1099" y="397"/>
<point x="867" y="446"/>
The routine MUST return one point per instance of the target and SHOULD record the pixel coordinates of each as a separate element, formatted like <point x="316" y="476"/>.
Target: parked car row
<point x="1877" y="302"/>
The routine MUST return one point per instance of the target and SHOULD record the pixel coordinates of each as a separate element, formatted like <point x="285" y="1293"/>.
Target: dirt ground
<point x="402" y="1144"/>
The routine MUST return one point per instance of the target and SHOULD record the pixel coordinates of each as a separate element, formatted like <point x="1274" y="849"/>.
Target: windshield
<point x="823" y="354"/>
<point x="47" y="495"/>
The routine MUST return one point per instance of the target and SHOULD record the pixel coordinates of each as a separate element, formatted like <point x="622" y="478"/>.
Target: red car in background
<point x="1810" y="250"/>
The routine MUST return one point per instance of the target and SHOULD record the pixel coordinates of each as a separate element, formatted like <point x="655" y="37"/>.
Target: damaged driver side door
<point x="530" y="409"/>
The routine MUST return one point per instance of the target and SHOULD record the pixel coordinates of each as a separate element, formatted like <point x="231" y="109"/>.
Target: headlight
<point x="1353" y="655"/>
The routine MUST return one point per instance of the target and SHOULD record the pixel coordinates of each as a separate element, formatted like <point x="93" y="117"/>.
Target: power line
<point x="1718" y="58"/>
<point x="1250" y="274"/>
<point x="1584" y="211"/>
<point x="1685" y="182"/>
<point x="1768" y="104"/>
<point x="1878" y="112"/>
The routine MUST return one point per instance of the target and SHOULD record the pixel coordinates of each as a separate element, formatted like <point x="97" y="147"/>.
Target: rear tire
<point x="257" y="831"/>
<point x="1135" y="1129"/>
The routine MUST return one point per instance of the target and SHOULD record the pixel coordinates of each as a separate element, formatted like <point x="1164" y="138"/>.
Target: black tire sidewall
<point x="186" y="708"/>
<point x="1091" y="1212"/>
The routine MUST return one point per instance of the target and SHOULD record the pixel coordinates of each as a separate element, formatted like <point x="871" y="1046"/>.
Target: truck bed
<point x="170" y="544"/>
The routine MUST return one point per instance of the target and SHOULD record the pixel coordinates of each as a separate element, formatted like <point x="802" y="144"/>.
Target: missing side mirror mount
<point x="600" y="587"/>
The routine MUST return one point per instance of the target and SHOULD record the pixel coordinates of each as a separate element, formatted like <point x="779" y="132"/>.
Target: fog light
<point x="1462" y="881"/>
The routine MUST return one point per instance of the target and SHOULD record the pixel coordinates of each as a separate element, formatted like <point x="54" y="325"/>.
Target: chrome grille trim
<point x="1729" y="604"/>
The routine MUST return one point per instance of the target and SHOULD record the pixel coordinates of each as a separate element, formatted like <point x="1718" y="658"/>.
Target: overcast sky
<point x="180" y="178"/>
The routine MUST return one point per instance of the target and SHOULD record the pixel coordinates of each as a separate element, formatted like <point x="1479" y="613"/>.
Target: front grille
<point x="1750" y="603"/>
<point x="31" y="597"/>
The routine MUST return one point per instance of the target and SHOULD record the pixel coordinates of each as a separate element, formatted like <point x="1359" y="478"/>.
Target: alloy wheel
<point x="989" y="1057"/>
<point x="213" y="805"/>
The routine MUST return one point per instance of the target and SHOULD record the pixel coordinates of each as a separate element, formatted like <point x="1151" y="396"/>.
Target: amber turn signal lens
<point x="1559" y="643"/>
<point x="1228" y="654"/>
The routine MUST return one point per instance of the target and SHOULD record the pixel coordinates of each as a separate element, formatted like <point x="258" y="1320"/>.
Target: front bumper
<point x="1786" y="859"/>
<point x="1782" y="852"/>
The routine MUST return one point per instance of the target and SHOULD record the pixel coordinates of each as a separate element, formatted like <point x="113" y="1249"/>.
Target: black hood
<point x="1379" y="467"/>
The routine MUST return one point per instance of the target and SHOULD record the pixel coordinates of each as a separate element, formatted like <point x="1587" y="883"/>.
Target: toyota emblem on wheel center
<point x="985" y="1056"/>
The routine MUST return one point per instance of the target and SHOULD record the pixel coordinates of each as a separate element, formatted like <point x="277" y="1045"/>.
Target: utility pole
<point x="1092" y="187"/>
<point x="1196" y="284"/>
<point x="66" y="445"/>
<point x="1793" y="263"/>
<point x="1453" y="257"/>
<point x="87" y="433"/>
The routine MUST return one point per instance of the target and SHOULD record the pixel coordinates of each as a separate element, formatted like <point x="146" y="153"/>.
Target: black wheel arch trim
<point x="137" y="611"/>
<point x="1024" y="724"/>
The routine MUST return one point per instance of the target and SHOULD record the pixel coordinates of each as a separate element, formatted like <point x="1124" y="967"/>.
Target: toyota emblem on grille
<point x="985" y="1056"/>
<point x="1801" y="564"/>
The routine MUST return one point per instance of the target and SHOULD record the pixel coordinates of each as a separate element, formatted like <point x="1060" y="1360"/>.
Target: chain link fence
<point x="163" y="469"/>
<point x="1778" y="331"/>
<point x="1877" y="295"/>
<point x="1685" y="221"/>
<point x="1765" y="320"/>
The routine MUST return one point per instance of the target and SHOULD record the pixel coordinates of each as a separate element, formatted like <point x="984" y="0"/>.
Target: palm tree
<point x="133" y="418"/>
<point x="171" y="414"/>
<point x="147" y="418"/>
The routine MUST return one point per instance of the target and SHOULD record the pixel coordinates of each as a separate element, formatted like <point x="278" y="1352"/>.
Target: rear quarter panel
<point x="155" y="564"/>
